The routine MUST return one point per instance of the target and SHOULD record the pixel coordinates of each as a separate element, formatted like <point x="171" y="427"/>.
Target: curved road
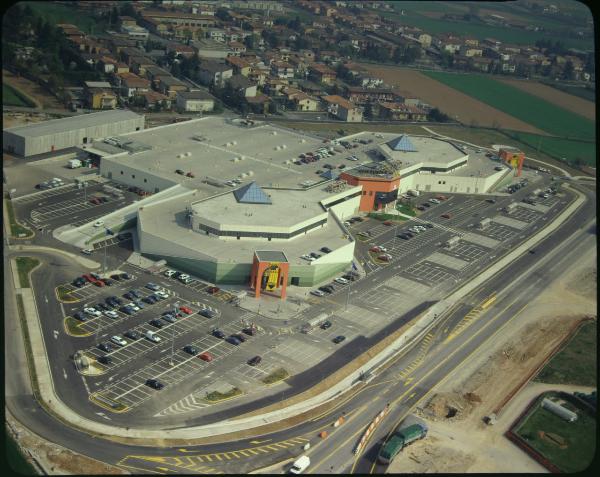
<point x="402" y="389"/>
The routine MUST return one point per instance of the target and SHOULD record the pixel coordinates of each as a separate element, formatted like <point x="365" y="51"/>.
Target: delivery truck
<point x="414" y="192"/>
<point x="74" y="163"/>
<point x="399" y="440"/>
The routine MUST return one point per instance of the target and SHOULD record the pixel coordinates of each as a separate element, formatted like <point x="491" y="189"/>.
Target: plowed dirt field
<point x="411" y="83"/>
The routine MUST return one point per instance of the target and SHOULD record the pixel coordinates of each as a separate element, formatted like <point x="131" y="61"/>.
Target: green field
<point x="12" y="97"/>
<point x="576" y="362"/>
<point x="559" y="148"/>
<point x="56" y="13"/>
<point x="580" y="437"/>
<point x="517" y="103"/>
<point x="588" y="94"/>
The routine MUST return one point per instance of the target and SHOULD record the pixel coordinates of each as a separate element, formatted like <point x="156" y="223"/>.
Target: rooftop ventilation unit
<point x="302" y="141"/>
<point x="188" y="154"/>
<point x="284" y="146"/>
<point x="274" y="133"/>
<point x="234" y="143"/>
<point x="236" y="159"/>
<point x="250" y="173"/>
<point x="243" y="175"/>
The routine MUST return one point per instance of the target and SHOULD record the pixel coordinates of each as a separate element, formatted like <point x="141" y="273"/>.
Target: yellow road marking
<point x="243" y="453"/>
<point x="234" y="454"/>
<point x="226" y="455"/>
<point x="218" y="456"/>
<point x="208" y="457"/>
<point x="136" y="468"/>
<point x="265" y="451"/>
<point x="253" y="451"/>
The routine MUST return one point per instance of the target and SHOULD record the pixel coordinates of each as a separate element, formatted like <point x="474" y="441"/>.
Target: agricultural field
<point x="531" y="109"/>
<point x="11" y="97"/>
<point x="577" y="105"/>
<point x="588" y="93"/>
<point x="570" y="446"/>
<point x="574" y="152"/>
<point x="576" y="362"/>
<point x="459" y="105"/>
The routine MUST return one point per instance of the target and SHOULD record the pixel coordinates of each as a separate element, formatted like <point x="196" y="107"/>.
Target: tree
<point x="568" y="71"/>
<point x="412" y="54"/>
<point x="436" y="115"/>
<point x="398" y="55"/>
<point x="368" y="112"/>
<point x="127" y="10"/>
<point x="249" y="42"/>
<point x="223" y="14"/>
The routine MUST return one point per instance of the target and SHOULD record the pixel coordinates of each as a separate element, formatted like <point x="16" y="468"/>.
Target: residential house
<point x="243" y="85"/>
<point x="240" y="66"/>
<point x="359" y="95"/>
<point x="154" y="97"/>
<point x="170" y="86"/>
<point x="237" y="48"/>
<point x="179" y="49"/>
<point x="401" y="112"/>
<point x="322" y="73"/>
<point x="157" y="27"/>
<point x="126" y="21"/>
<point x="100" y="98"/>
<point x="196" y="101"/>
<point x="130" y="84"/>
<point x="470" y="51"/>
<point x="212" y="73"/>
<point x="342" y="109"/>
<point x="107" y="64"/>
<point x="310" y="88"/>
<point x="121" y="68"/>
<point x="180" y="18"/>
<point x="274" y="86"/>
<point x="185" y="32"/>
<point x="155" y="74"/>
<point x="216" y="34"/>
<point x="424" y="40"/>
<point x="258" y="104"/>
<point x="135" y="32"/>
<point x="282" y="69"/>
<point x="471" y="42"/>
<point x="212" y="49"/>
<point x="139" y="64"/>
<point x="300" y="101"/>
<point x="259" y="74"/>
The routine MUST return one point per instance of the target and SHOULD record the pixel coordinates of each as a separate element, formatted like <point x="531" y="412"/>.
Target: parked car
<point x="315" y="255"/>
<point x="92" y="311"/>
<point x="250" y="331"/>
<point x="111" y="314"/>
<point x="254" y="361"/>
<point x="318" y="292"/>
<point x="205" y="357"/>
<point x="186" y="310"/>
<point x="169" y="317"/>
<point x="232" y="340"/>
<point x="169" y="273"/>
<point x="80" y="316"/>
<point x="386" y="257"/>
<point x="212" y="290"/>
<point x="338" y="339"/>
<point x="125" y="276"/>
<point x="420" y="207"/>
<point x="207" y="313"/>
<point x="104" y="359"/>
<point x="325" y="325"/>
<point x="152" y="286"/>
<point x="155" y="384"/>
<point x="341" y="280"/>
<point x="180" y="172"/>
<point x="445" y="216"/>
<point x="403" y="236"/>
<point x="156" y="323"/>
<point x="106" y="347"/>
<point x="191" y="349"/>
<point x="116" y="277"/>
<point x="118" y="340"/>
<point x="218" y="334"/>
<point x="326" y="250"/>
<point x="132" y="334"/>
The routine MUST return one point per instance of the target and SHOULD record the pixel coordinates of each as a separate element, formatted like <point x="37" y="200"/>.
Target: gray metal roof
<point x="271" y="256"/>
<point x="57" y="126"/>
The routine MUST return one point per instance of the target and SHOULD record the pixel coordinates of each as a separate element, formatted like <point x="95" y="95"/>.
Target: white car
<point x="87" y="251"/>
<point x="118" y="340"/>
<point x="99" y="223"/>
<point x="162" y="294"/>
<point x="309" y="258"/>
<point x="134" y="306"/>
<point x="382" y="248"/>
<point x="419" y="227"/>
<point x="150" y="335"/>
<point x="111" y="314"/>
<point x="170" y="273"/>
<point x="341" y="280"/>
<point x="352" y="158"/>
<point x="414" y="230"/>
<point x="183" y="277"/>
<point x="347" y="224"/>
<point x="92" y="311"/>
<point x="317" y="293"/>
<point x="434" y="201"/>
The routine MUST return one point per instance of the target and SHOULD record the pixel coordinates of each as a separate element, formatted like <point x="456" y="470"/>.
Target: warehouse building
<point x="57" y="134"/>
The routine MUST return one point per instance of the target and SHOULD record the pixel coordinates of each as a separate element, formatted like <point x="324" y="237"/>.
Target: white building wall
<point x="426" y="182"/>
<point x="134" y="177"/>
<point x="344" y="254"/>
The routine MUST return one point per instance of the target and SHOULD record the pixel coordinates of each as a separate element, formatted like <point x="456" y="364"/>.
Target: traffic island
<point x="73" y="328"/>
<point x="24" y="266"/>
<point x="107" y="403"/>
<point x="214" y="397"/>
<point x="63" y="295"/>
<point x="276" y="376"/>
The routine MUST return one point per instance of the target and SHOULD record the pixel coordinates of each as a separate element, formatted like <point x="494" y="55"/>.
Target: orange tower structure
<point x="270" y="270"/>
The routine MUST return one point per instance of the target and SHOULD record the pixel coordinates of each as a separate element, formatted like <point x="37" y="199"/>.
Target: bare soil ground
<point x="567" y="101"/>
<point x="411" y="83"/>
<point x="458" y="439"/>
<point x="10" y="120"/>
<point x="32" y="90"/>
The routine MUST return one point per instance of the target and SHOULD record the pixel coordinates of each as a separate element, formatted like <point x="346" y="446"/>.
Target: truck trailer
<point x="413" y="192"/>
<point x="399" y="440"/>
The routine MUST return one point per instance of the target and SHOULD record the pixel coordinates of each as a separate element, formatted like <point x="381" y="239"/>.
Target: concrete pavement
<point x="52" y="403"/>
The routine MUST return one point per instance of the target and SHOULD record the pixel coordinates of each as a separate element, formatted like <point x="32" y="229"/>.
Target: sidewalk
<point x="50" y="400"/>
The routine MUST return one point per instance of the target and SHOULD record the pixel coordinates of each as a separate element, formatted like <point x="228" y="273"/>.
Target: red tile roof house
<point x="342" y="108"/>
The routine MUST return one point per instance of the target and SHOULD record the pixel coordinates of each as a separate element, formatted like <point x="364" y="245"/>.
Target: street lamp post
<point x="176" y="305"/>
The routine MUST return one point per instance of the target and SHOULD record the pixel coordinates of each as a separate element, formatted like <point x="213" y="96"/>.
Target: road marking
<point x="260" y="442"/>
<point x="64" y="373"/>
<point x="86" y="384"/>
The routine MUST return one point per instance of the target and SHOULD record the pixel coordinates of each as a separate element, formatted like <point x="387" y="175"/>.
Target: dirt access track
<point x="580" y="106"/>
<point x="411" y="84"/>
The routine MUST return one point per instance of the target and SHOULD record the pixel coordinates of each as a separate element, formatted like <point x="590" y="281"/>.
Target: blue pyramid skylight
<point x="251" y="194"/>
<point x="329" y="174"/>
<point x="402" y="143"/>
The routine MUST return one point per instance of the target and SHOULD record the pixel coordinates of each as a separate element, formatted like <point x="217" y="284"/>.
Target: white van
<point x="300" y="465"/>
<point x="152" y="336"/>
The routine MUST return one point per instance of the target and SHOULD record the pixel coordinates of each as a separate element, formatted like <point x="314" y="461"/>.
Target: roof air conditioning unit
<point x="284" y="147"/>
<point x="188" y="154"/>
<point x="250" y="173"/>
<point x="302" y="141"/>
<point x="233" y="143"/>
<point x="274" y="133"/>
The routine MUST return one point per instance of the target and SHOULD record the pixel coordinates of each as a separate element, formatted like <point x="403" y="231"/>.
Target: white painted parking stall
<point x="467" y="252"/>
<point x="447" y="260"/>
<point x="481" y="240"/>
<point x="298" y="353"/>
<point x="524" y="214"/>
<point x="428" y="272"/>
<point x="510" y="222"/>
<point x="497" y="231"/>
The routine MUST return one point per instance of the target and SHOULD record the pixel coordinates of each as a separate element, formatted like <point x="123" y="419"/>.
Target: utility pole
<point x="176" y="305"/>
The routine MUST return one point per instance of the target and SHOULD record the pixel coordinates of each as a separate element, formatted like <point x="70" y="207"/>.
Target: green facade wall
<point x="239" y="273"/>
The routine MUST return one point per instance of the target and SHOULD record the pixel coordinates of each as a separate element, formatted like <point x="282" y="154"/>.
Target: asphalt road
<point x="25" y="409"/>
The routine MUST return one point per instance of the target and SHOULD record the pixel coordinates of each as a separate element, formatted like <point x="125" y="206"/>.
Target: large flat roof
<point x="168" y="221"/>
<point x="56" y="126"/>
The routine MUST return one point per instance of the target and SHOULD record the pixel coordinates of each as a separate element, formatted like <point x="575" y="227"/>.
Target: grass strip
<point x="28" y="352"/>
<point x="72" y="327"/>
<point x="216" y="396"/>
<point x="278" y="375"/>
<point x="13" y="97"/>
<point x="24" y="266"/>
<point x="405" y="209"/>
<point x="385" y="217"/>
<point x="16" y="229"/>
<point x="64" y="295"/>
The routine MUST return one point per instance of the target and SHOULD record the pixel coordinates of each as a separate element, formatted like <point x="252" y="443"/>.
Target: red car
<point x="205" y="356"/>
<point x="98" y="283"/>
<point x="441" y="197"/>
<point x="375" y="249"/>
<point x="212" y="290"/>
<point x="387" y="222"/>
<point x="190" y="174"/>
<point x="445" y="216"/>
<point x="186" y="310"/>
<point x="89" y="278"/>
<point x="386" y="257"/>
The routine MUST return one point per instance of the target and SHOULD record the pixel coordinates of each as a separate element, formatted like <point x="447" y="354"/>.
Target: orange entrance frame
<point x="269" y="272"/>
